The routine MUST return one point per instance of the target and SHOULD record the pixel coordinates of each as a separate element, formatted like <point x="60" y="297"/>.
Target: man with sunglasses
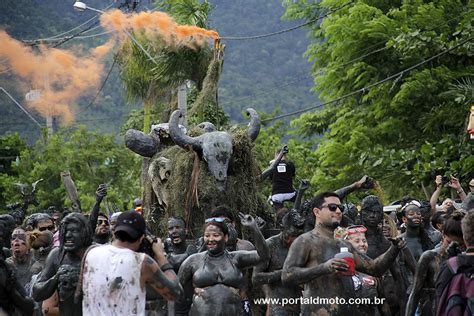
<point x="102" y="230"/>
<point x="311" y="261"/>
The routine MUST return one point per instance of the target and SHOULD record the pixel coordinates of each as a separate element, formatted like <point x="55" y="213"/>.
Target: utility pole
<point x="182" y="102"/>
<point x="49" y="117"/>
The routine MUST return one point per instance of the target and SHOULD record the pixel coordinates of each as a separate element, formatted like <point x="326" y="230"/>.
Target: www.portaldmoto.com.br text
<point x="319" y="301"/>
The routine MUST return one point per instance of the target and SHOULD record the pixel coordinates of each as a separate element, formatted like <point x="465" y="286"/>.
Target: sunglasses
<point x="42" y="229"/>
<point x="19" y="236"/>
<point x="216" y="220"/>
<point x="355" y="229"/>
<point x="102" y="221"/>
<point x="333" y="207"/>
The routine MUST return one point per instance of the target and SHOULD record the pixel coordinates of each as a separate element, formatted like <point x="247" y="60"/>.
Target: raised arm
<point x="250" y="258"/>
<point x="436" y="193"/>
<point x="454" y="183"/>
<point x="267" y="172"/>
<point x="100" y="193"/>
<point x="365" y="182"/>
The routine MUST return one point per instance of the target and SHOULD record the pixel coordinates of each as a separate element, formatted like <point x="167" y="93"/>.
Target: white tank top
<point x="111" y="282"/>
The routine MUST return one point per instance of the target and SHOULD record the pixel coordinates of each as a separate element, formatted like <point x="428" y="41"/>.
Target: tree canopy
<point x="90" y="157"/>
<point x="403" y="131"/>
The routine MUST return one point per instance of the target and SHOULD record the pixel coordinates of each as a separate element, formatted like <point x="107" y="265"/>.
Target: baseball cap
<point x="132" y="223"/>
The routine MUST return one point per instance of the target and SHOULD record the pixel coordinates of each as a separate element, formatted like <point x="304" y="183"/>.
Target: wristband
<point x="460" y="191"/>
<point x="166" y="267"/>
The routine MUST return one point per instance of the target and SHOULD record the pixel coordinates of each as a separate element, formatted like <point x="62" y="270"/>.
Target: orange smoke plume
<point x="60" y="75"/>
<point x="158" y="24"/>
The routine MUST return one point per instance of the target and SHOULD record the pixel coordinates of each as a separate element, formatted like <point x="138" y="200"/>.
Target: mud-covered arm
<point x="100" y="193"/>
<point x="261" y="254"/>
<point x="365" y="182"/>
<point x="419" y="281"/>
<point x="261" y="275"/>
<point x="48" y="281"/>
<point x="379" y="265"/>
<point x="267" y="172"/>
<point x="185" y="276"/>
<point x="294" y="268"/>
<point x="19" y="299"/>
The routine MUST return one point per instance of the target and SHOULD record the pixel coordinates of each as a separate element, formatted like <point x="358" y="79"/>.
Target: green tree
<point x="155" y="81"/>
<point x="10" y="149"/>
<point x="90" y="157"/>
<point x="405" y="130"/>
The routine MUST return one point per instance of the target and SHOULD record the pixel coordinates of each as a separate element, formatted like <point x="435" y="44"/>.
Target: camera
<point x="146" y="245"/>
<point x="445" y="180"/>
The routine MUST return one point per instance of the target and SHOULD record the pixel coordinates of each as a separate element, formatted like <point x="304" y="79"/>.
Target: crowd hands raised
<point x="70" y="263"/>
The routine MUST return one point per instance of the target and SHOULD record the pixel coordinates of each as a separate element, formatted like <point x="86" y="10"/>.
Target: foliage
<point x="405" y="130"/>
<point x="10" y="149"/>
<point x="90" y="157"/>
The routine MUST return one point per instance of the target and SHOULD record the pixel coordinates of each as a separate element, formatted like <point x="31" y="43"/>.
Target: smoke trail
<point x="158" y="24"/>
<point x="63" y="76"/>
<point x="60" y="75"/>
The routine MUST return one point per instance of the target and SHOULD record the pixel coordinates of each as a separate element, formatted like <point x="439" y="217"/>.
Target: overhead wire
<point x="320" y="71"/>
<point x="101" y="87"/>
<point x="240" y="38"/>
<point x="365" y="89"/>
<point x="68" y="31"/>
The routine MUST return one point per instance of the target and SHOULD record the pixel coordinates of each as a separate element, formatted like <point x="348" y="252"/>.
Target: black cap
<point x="132" y="223"/>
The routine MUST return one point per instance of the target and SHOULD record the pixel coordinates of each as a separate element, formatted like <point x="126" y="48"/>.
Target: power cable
<point x="362" y="90"/>
<point x="77" y="34"/>
<point x="342" y="65"/>
<point x="68" y="31"/>
<point x="94" y="35"/>
<point x="236" y="38"/>
<point x="21" y="107"/>
<point x="101" y="87"/>
<point x="61" y="34"/>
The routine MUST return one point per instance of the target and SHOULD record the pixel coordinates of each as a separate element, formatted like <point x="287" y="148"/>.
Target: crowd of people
<point x="325" y="258"/>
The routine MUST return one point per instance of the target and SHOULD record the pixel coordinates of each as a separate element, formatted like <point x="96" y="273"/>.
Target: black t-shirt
<point x="282" y="177"/>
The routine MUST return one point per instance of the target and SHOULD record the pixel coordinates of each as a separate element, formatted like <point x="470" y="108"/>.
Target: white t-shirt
<point x="111" y="282"/>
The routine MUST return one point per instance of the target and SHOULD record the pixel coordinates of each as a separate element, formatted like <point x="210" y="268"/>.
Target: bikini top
<point x="218" y="270"/>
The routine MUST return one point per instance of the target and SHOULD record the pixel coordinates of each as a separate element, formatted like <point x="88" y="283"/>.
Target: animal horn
<point x="141" y="143"/>
<point x="178" y="136"/>
<point x="254" y="124"/>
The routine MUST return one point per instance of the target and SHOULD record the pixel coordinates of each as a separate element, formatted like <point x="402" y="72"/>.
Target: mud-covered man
<point x="268" y="273"/>
<point x="61" y="271"/>
<point x="311" y="261"/>
<point x="177" y="248"/>
<point x="392" y="282"/>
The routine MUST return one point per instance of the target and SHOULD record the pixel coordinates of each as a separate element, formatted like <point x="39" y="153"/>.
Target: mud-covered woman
<point x="212" y="279"/>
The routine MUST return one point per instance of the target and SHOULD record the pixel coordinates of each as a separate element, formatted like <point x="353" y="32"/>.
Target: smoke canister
<point x="349" y="258"/>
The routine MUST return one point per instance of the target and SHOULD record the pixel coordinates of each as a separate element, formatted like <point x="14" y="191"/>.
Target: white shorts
<point x="282" y="197"/>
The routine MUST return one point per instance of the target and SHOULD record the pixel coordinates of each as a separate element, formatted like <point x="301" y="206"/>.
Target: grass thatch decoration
<point x="241" y="194"/>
